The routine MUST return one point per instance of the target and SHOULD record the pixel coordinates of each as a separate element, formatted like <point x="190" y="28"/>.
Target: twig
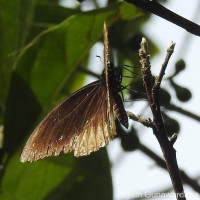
<point x="170" y="51"/>
<point x="154" y="7"/>
<point x="146" y="69"/>
<point x="145" y="122"/>
<point x="88" y="72"/>
<point x="158" y="124"/>
<point x="182" y="111"/>
<point x="156" y="86"/>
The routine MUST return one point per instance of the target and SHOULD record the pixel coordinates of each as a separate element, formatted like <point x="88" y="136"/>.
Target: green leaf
<point x="53" y="14"/>
<point x="14" y="25"/>
<point x="63" y="177"/>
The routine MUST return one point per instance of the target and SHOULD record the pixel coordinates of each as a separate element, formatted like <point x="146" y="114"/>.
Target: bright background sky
<point x="134" y="173"/>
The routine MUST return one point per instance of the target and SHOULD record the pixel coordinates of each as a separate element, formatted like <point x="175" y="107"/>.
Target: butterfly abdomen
<point x="120" y="111"/>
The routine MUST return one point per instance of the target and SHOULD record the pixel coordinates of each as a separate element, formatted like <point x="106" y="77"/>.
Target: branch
<point x="182" y="111"/>
<point x="88" y="72"/>
<point x="170" y="51"/>
<point x="145" y="122"/>
<point x="154" y="7"/>
<point x="158" y="124"/>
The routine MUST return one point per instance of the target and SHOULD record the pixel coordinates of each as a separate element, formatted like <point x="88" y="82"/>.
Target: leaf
<point x="32" y="180"/>
<point x="15" y="22"/>
<point x="63" y="177"/>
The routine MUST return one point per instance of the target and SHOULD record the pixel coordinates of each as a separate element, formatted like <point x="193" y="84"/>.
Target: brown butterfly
<point x="83" y="122"/>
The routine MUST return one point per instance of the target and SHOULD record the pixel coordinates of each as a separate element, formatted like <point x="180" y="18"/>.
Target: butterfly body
<point x="115" y="80"/>
<point x="83" y="122"/>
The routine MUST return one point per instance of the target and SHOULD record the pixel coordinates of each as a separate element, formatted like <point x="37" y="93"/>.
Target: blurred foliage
<point x="130" y="140"/>
<point x="183" y="94"/>
<point x="165" y="97"/>
<point x="42" y="46"/>
<point x="171" y="125"/>
<point x="179" y="66"/>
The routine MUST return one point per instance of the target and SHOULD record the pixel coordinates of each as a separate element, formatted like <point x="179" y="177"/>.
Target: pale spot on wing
<point x="61" y="137"/>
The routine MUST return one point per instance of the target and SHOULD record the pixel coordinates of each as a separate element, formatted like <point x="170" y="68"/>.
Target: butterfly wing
<point x="82" y="123"/>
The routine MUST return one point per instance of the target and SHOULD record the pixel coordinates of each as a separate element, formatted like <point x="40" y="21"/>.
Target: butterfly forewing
<point x="113" y="83"/>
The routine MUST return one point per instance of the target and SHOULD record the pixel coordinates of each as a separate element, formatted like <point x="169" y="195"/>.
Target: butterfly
<point x="85" y="121"/>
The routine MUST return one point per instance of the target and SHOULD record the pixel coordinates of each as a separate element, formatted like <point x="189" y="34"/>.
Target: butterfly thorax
<point x="114" y="77"/>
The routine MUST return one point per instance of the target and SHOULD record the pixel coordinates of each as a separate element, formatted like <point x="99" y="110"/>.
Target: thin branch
<point x="146" y="69"/>
<point x="156" y="87"/>
<point x="145" y="122"/>
<point x="170" y="51"/>
<point x="154" y="7"/>
<point x="182" y="111"/>
<point x="158" y="124"/>
<point x="89" y="72"/>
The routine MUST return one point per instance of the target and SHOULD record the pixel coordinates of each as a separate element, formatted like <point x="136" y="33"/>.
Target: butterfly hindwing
<point x="82" y="123"/>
